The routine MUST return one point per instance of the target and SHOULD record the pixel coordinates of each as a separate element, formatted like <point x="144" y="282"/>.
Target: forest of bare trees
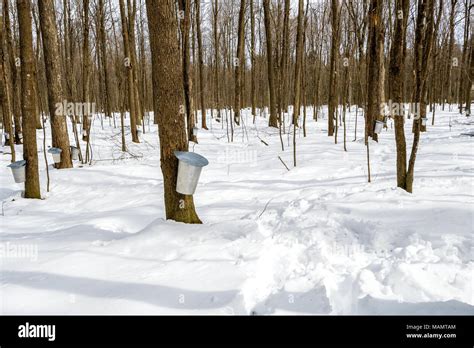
<point x="185" y="64"/>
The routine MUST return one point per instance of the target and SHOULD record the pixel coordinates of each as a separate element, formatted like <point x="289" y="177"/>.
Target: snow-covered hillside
<point x="317" y="239"/>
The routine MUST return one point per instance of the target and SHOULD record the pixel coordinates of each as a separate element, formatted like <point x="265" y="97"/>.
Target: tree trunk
<point x="239" y="62"/>
<point x="298" y="67"/>
<point x="397" y="60"/>
<point x="423" y="43"/>
<point x="103" y="56"/>
<point x="28" y="99"/>
<point x="85" y="76"/>
<point x="197" y="4"/>
<point x="5" y="93"/>
<point x="332" y="105"/>
<point x="185" y="23"/>
<point x="167" y="95"/>
<point x="15" y="71"/>
<point x="130" y="81"/>
<point x="273" y="121"/>
<point x="215" y="9"/>
<point x="54" y="75"/>
<point x="253" y="81"/>
<point x="374" y="69"/>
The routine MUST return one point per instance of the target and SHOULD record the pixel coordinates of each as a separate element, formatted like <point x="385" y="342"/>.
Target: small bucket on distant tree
<point x="195" y="131"/>
<point x="378" y="126"/>
<point x="74" y="153"/>
<point x="189" y="171"/>
<point x="424" y="120"/>
<point x="18" y="171"/>
<point x="56" y="152"/>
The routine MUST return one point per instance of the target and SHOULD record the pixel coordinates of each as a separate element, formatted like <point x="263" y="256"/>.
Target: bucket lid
<point x="191" y="158"/>
<point x="377" y="121"/>
<point x="55" y="150"/>
<point x="17" y="164"/>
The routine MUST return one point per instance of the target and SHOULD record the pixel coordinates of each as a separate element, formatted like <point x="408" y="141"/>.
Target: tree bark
<point x="15" y="72"/>
<point x="253" y="81"/>
<point x="374" y="69"/>
<point x="239" y="62"/>
<point x="423" y="44"/>
<point x="54" y="75"/>
<point x="167" y="95"/>
<point x="298" y="68"/>
<point x="397" y="60"/>
<point x="185" y="24"/>
<point x="197" y="4"/>
<point x="128" y="67"/>
<point x="273" y="120"/>
<point x="28" y="99"/>
<point x="5" y="93"/>
<point x="332" y="107"/>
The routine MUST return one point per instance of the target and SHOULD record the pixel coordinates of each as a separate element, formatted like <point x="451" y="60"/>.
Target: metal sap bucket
<point x="195" y="131"/>
<point x="378" y="126"/>
<point x="189" y="170"/>
<point x="56" y="152"/>
<point x="18" y="171"/>
<point x="424" y="120"/>
<point x="74" y="153"/>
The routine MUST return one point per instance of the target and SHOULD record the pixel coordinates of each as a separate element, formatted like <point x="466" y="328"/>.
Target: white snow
<point x="317" y="239"/>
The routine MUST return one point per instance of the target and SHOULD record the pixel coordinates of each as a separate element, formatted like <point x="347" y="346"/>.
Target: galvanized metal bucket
<point x="189" y="170"/>
<point x="195" y="131"/>
<point x="56" y="152"/>
<point x="74" y="153"/>
<point x="378" y="126"/>
<point x="424" y="120"/>
<point x="18" y="171"/>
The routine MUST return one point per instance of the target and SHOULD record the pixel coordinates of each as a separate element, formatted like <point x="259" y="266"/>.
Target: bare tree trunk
<point x="5" y="92"/>
<point x="103" y="55"/>
<point x="15" y="71"/>
<point x="282" y="85"/>
<point x="197" y="4"/>
<point x="215" y="9"/>
<point x="273" y="121"/>
<point x="54" y="76"/>
<point x="469" y="86"/>
<point x="464" y="71"/>
<point x="253" y="61"/>
<point x="185" y="22"/>
<point x="423" y="44"/>
<point x="397" y="61"/>
<point x="130" y="81"/>
<point x="28" y="100"/>
<point x="167" y="99"/>
<point x="332" y="105"/>
<point x="374" y="69"/>
<point x="239" y="62"/>
<point x="298" y="68"/>
<point x="85" y="76"/>
<point x="450" y="52"/>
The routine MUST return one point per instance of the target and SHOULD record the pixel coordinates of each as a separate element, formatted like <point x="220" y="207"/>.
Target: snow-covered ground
<point x="317" y="239"/>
